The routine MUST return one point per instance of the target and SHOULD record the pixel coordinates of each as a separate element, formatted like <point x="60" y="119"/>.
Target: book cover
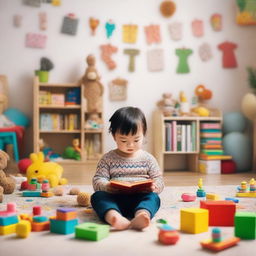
<point x="210" y="134"/>
<point x="211" y="146"/>
<point x="210" y="126"/>
<point x="136" y="186"/>
<point x="174" y="135"/>
<point x="220" y="157"/>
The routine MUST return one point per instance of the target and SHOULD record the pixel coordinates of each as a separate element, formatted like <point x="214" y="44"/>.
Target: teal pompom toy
<point x="234" y="122"/>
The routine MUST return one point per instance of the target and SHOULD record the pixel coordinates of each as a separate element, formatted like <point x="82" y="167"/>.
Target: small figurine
<point x="167" y="104"/>
<point x="200" y="191"/>
<point x="94" y="121"/>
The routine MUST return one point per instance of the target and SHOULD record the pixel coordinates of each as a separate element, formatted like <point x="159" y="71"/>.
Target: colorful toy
<point x="200" y="191"/>
<point x="232" y="199"/>
<point x="194" y="220"/>
<point x="23" y="229"/>
<point x="188" y="197"/>
<point x="10" y="210"/>
<point x="221" y="213"/>
<point x="212" y="196"/>
<point x="91" y="231"/>
<point x="45" y="170"/>
<point x="168" y="235"/>
<point x="245" y="225"/>
<point x="23" y="164"/>
<point x="245" y="190"/>
<point x="73" y="152"/>
<point x="217" y="243"/>
<point x="93" y="121"/>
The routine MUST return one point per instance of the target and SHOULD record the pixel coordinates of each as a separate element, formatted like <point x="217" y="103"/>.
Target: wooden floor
<point x="83" y="175"/>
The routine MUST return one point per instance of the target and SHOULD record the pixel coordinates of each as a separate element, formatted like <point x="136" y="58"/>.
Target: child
<point x="127" y="163"/>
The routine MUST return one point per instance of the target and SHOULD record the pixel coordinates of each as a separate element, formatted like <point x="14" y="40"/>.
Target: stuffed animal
<point x="167" y="104"/>
<point x="1" y="194"/>
<point x="45" y="170"/>
<point x="93" y="89"/>
<point x="7" y="183"/>
<point x="93" y="122"/>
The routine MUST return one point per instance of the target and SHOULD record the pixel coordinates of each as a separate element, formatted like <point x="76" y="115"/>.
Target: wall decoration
<point x="106" y="51"/>
<point x="246" y="14"/>
<point x="197" y="28"/>
<point x="228" y="57"/>
<point x="93" y="23"/>
<point x="152" y="34"/>
<point x="34" y="3"/>
<point x="56" y="2"/>
<point x="118" y="89"/>
<point x="175" y="30"/>
<point x="42" y="20"/>
<point x="17" y="20"/>
<point x="132" y="54"/>
<point x="216" y="22"/>
<point x="35" y="40"/>
<point x="155" y="60"/>
<point x="130" y="33"/>
<point x="183" y="54"/>
<point x="69" y="25"/>
<point x="110" y="26"/>
<point x="205" y="52"/>
<point x="167" y="8"/>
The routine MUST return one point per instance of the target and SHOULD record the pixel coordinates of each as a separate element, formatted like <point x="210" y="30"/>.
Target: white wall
<point x="145" y="89"/>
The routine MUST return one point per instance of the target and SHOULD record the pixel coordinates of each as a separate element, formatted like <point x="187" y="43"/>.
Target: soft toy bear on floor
<point x="93" y="89"/>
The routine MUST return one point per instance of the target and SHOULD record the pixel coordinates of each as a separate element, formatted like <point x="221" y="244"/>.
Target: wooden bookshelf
<point x="176" y="160"/>
<point x="58" y="138"/>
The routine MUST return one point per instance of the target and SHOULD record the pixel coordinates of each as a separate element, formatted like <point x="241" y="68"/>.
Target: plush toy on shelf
<point x="74" y="151"/>
<point x="167" y="104"/>
<point x="93" y="121"/>
<point x="93" y="89"/>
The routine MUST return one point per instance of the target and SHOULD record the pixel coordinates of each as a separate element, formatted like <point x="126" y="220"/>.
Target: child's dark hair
<point x="126" y="120"/>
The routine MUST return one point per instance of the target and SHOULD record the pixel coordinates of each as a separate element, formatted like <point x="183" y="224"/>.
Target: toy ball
<point x="201" y="111"/>
<point x="239" y="146"/>
<point x="23" y="164"/>
<point x="17" y="117"/>
<point x="74" y="191"/>
<point x="58" y="191"/>
<point x="188" y="197"/>
<point x="83" y="199"/>
<point x="234" y="122"/>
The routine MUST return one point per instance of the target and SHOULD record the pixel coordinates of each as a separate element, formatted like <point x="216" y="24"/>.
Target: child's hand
<point x="151" y="189"/>
<point x="110" y="189"/>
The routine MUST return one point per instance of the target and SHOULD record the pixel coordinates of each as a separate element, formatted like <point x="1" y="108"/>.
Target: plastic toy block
<point x="23" y="229"/>
<point x="6" y="230"/>
<point x="62" y="226"/>
<point x="25" y="216"/>
<point x="221" y="213"/>
<point x="40" y="226"/>
<point x="245" y="225"/>
<point x="8" y="220"/>
<point x="91" y="231"/>
<point x="10" y="210"/>
<point x="188" y="197"/>
<point x="194" y="220"/>
<point x="219" y="246"/>
<point x="37" y="210"/>
<point x="200" y="193"/>
<point x="162" y="221"/>
<point x="212" y="196"/>
<point x="46" y="194"/>
<point x="66" y="214"/>
<point x="235" y="200"/>
<point x="30" y="193"/>
<point x="40" y="219"/>
<point x="246" y="194"/>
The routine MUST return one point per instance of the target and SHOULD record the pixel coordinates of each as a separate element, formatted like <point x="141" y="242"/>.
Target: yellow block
<point x="6" y="230"/>
<point x="246" y="194"/>
<point x="212" y="196"/>
<point x="23" y="228"/>
<point x="194" y="220"/>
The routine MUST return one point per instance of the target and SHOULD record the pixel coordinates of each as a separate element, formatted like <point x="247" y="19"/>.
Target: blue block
<point x="200" y="193"/>
<point x="62" y="226"/>
<point x="40" y="219"/>
<point x="31" y="193"/>
<point x="8" y="220"/>
<point x="235" y="200"/>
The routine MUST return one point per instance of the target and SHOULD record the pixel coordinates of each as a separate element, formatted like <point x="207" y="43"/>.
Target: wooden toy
<point x="200" y="191"/>
<point x="91" y="231"/>
<point x="23" y="229"/>
<point x="212" y="196"/>
<point x="245" y="190"/>
<point x="168" y="235"/>
<point x="194" y="220"/>
<point x="245" y="225"/>
<point x="221" y="213"/>
<point x="188" y="197"/>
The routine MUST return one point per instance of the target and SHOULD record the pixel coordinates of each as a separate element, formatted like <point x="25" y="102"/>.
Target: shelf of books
<point x="59" y="118"/>
<point x="177" y="140"/>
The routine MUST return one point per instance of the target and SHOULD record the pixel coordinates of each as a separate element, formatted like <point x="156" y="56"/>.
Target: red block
<point x="221" y="213"/>
<point x="228" y="166"/>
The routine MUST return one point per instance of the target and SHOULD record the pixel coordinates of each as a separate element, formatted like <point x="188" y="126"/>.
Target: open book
<point x="127" y="186"/>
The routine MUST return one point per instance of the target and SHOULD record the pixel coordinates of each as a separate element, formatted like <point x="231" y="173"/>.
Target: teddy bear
<point x="7" y="183"/>
<point x="1" y="194"/>
<point x="167" y="104"/>
<point x="93" y="89"/>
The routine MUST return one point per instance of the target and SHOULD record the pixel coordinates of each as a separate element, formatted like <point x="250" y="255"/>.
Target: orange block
<point x="221" y="213"/>
<point x="40" y="226"/>
<point x="47" y="194"/>
<point x="66" y="215"/>
<point x="208" y="244"/>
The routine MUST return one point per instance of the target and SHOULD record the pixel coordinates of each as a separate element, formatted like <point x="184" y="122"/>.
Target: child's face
<point x="129" y="144"/>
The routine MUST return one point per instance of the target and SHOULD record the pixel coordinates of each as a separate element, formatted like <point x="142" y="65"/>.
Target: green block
<point x="91" y="231"/>
<point x="245" y="225"/>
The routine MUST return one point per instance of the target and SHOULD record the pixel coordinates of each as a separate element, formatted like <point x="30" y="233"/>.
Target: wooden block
<point x="91" y="231"/>
<point x="194" y="220"/>
<point x="245" y="225"/>
<point x="66" y="214"/>
<point x="23" y="228"/>
<point x="221" y="213"/>
<point x="219" y="246"/>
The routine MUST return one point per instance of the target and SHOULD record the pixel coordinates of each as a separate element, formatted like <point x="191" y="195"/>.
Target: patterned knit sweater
<point x="112" y="166"/>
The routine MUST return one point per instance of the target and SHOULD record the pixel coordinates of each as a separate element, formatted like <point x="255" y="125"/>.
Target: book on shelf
<point x="58" y="99"/>
<point x="214" y="157"/>
<point x="210" y="134"/>
<point x="210" y="125"/>
<point x="127" y="186"/>
<point x="211" y="146"/>
<point x="212" y="151"/>
<point x="44" y="98"/>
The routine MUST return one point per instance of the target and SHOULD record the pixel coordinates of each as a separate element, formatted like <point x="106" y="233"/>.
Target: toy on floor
<point x="245" y="190"/>
<point x="45" y="170"/>
<point x="212" y="196"/>
<point x="188" y="197"/>
<point x="200" y="191"/>
<point x="7" y="183"/>
<point x="217" y="243"/>
<point x="74" y="191"/>
<point x="36" y="189"/>
<point x="10" y="210"/>
<point x="245" y="225"/>
<point x="168" y="235"/>
<point x="83" y="199"/>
